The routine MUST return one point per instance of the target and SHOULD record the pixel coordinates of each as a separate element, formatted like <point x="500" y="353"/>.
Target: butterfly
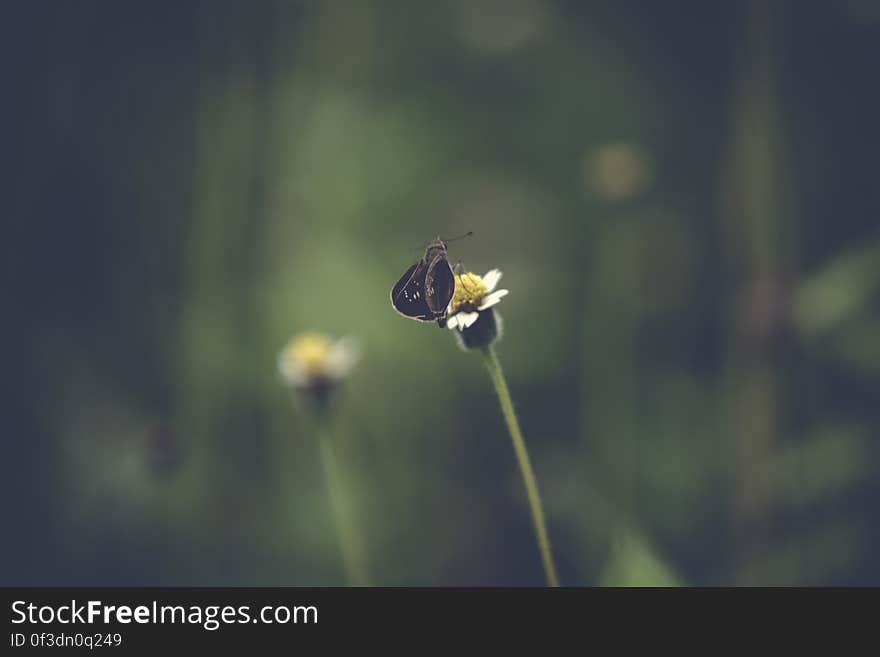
<point x="424" y="291"/>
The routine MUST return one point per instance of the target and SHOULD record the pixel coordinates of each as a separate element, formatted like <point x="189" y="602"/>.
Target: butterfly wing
<point x="439" y="286"/>
<point x="408" y="294"/>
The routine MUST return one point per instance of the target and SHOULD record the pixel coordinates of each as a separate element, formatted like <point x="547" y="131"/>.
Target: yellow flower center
<point x="309" y="351"/>
<point x="469" y="292"/>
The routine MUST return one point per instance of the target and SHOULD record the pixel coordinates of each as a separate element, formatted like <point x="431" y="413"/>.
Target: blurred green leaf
<point x="838" y="292"/>
<point x="633" y="561"/>
<point x="827" y="462"/>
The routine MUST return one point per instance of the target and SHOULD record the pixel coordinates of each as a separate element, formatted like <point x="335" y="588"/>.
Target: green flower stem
<point x="353" y="553"/>
<point x="522" y="455"/>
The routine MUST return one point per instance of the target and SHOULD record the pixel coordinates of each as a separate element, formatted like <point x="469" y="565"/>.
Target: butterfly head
<point x="434" y="248"/>
<point x="438" y="246"/>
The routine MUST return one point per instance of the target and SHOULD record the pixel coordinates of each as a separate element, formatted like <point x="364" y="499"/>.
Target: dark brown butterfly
<point x="424" y="291"/>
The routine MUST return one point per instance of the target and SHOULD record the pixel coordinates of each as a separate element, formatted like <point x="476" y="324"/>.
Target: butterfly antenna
<point x="470" y="233"/>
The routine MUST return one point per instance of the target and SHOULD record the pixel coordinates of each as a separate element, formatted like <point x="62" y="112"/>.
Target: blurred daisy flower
<point x="470" y="312"/>
<point x="314" y="362"/>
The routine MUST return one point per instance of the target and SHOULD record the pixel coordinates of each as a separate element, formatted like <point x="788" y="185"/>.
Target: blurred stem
<point x="759" y="249"/>
<point x="351" y="546"/>
<point x="525" y="465"/>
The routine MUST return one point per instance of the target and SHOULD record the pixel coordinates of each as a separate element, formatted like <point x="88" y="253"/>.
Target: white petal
<point x="342" y="357"/>
<point x="291" y="372"/>
<point x="467" y="319"/>
<point x="452" y="322"/>
<point x="490" y="280"/>
<point x="491" y="299"/>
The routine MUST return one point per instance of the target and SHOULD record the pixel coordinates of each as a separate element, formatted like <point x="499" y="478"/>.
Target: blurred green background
<point x="683" y="198"/>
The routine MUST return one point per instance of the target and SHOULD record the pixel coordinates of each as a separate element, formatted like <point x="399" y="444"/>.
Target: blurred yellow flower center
<point x="309" y="351"/>
<point x="469" y="291"/>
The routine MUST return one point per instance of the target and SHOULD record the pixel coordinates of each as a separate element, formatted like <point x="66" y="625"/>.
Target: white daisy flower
<point x="472" y="311"/>
<point x="473" y="295"/>
<point x="315" y="360"/>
